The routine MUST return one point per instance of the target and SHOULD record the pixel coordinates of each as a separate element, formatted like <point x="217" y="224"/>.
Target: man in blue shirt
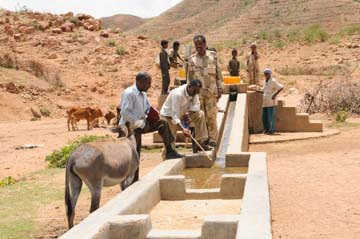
<point x="135" y="108"/>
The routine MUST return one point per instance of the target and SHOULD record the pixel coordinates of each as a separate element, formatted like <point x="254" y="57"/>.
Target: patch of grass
<point x="335" y="124"/>
<point x="334" y="40"/>
<point x="19" y="205"/>
<point x="59" y="158"/>
<point x="7" y="181"/>
<point x="350" y="30"/>
<point x="110" y="42"/>
<point x="294" y="35"/>
<point x="279" y="44"/>
<point x="315" y="33"/>
<point x="45" y="112"/>
<point x="341" y="116"/>
<point x="120" y="50"/>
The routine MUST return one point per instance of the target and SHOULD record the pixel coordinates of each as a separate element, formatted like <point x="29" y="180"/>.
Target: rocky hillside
<point x="233" y="19"/>
<point x="50" y="62"/>
<point x="122" y="21"/>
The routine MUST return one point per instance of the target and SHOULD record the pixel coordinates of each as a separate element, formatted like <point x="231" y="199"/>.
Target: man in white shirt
<point x="271" y="90"/>
<point x="184" y="102"/>
<point x="135" y="108"/>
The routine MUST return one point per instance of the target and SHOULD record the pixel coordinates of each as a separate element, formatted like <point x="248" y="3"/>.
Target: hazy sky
<point x="96" y="8"/>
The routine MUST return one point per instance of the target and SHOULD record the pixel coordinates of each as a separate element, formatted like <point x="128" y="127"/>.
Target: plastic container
<point x="230" y="80"/>
<point x="182" y="73"/>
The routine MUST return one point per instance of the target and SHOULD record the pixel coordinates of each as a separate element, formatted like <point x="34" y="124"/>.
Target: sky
<point x="96" y="8"/>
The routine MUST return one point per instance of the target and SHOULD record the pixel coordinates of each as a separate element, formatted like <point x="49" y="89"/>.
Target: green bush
<point x="45" y="112"/>
<point x="120" y="50"/>
<point x="59" y="158"/>
<point x="111" y="42"/>
<point x="315" y="33"/>
<point x="350" y="30"/>
<point x="341" y="116"/>
<point x="7" y="181"/>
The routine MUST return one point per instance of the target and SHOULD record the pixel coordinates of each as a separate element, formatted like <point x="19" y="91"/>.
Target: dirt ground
<point x="314" y="187"/>
<point x="314" y="184"/>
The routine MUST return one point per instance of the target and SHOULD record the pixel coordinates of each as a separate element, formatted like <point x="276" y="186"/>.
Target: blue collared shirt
<point x="134" y="105"/>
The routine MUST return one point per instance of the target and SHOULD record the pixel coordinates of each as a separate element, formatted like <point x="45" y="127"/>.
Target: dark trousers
<point x="163" y="129"/>
<point x="268" y="118"/>
<point x="165" y="82"/>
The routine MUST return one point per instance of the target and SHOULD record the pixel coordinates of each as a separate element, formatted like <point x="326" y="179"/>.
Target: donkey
<point x="103" y="163"/>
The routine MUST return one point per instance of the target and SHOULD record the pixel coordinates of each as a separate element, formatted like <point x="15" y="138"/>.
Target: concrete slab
<point x="131" y="201"/>
<point x="220" y="226"/>
<point x="203" y="194"/>
<point x="255" y="216"/>
<point x="174" y="234"/>
<point x="232" y="186"/>
<point x="199" y="160"/>
<point x="237" y="160"/>
<point x="172" y="187"/>
<point x="239" y="136"/>
<point x="287" y="137"/>
<point x="129" y="227"/>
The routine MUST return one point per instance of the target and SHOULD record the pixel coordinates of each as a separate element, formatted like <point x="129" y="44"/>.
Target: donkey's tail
<point x="69" y="208"/>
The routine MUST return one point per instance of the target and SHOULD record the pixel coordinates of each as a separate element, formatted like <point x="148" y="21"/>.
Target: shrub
<point x="7" y="181"/>
<point x="279" y="44"/>
<point x="111" y="42"/>
<point x="341" y="116"/>
<point x="333" y="97"/>
<point x="45" y="112"/>
<point x="315" y="33"/>
<point x="59" y="158"/>
<point x="351" y="30"/>
<point x="120" y="50"/>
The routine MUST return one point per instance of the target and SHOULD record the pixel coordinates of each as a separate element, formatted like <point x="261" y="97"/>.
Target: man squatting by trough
<point x="135" y="107"/>
<point x="204" y="67"/>
<point x="271" y="90"/>
<point x="184" y="103"/>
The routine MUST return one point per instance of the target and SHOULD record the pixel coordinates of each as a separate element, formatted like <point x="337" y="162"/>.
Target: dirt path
<point x="314" y="187"/>
<point x="52" y="134"/>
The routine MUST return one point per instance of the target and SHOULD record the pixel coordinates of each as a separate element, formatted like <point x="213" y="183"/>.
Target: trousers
<point x="268" y="118"/>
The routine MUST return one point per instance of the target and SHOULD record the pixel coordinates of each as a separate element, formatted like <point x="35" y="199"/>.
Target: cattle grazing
<point x="89" y="114"/>
<point x="102" y="163"/>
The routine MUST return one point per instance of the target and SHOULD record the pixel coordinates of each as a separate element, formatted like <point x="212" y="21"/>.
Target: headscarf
<point x="268" y="71"/>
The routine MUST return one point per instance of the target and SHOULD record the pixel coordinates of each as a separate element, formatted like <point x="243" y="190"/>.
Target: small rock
<point x="68" y="27"/>
<point x="12" y="88"/>
<point x="53" y="56"/>
<point x="94" y="89"/>
<point x="101" y="92"/>
<point x="35" y="113"/>
<point x="104" y="34"/>
<point x="29" y="30"/>
<point x="141" y="37"/>
<point x="67" y="91"/>
<point x="17" y="36"/>
<point x="56" y="30"/>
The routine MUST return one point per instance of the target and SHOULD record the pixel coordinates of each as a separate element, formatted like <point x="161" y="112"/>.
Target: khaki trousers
<point x="209" y="106"/>
<point x="197" y="121"/>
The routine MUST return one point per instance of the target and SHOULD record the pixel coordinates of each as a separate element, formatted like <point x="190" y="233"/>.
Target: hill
<point x="225" y="20"/>
<point x="123" y="21"/>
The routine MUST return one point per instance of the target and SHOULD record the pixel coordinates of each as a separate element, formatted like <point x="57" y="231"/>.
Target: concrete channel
<point x="228" y="200"/>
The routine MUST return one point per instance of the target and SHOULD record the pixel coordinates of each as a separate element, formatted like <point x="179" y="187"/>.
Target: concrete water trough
<point x="169" y="202"/>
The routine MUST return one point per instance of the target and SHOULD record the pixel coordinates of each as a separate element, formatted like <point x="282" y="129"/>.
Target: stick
<point x="192" y="137"/>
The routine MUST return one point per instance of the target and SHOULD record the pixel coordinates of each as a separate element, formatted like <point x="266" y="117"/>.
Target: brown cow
<point x="76" y="114"/>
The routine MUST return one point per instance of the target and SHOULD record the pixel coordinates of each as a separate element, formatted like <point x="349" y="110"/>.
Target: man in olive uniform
<point x="203" y="66"/>
<point x="234" y="64"/>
